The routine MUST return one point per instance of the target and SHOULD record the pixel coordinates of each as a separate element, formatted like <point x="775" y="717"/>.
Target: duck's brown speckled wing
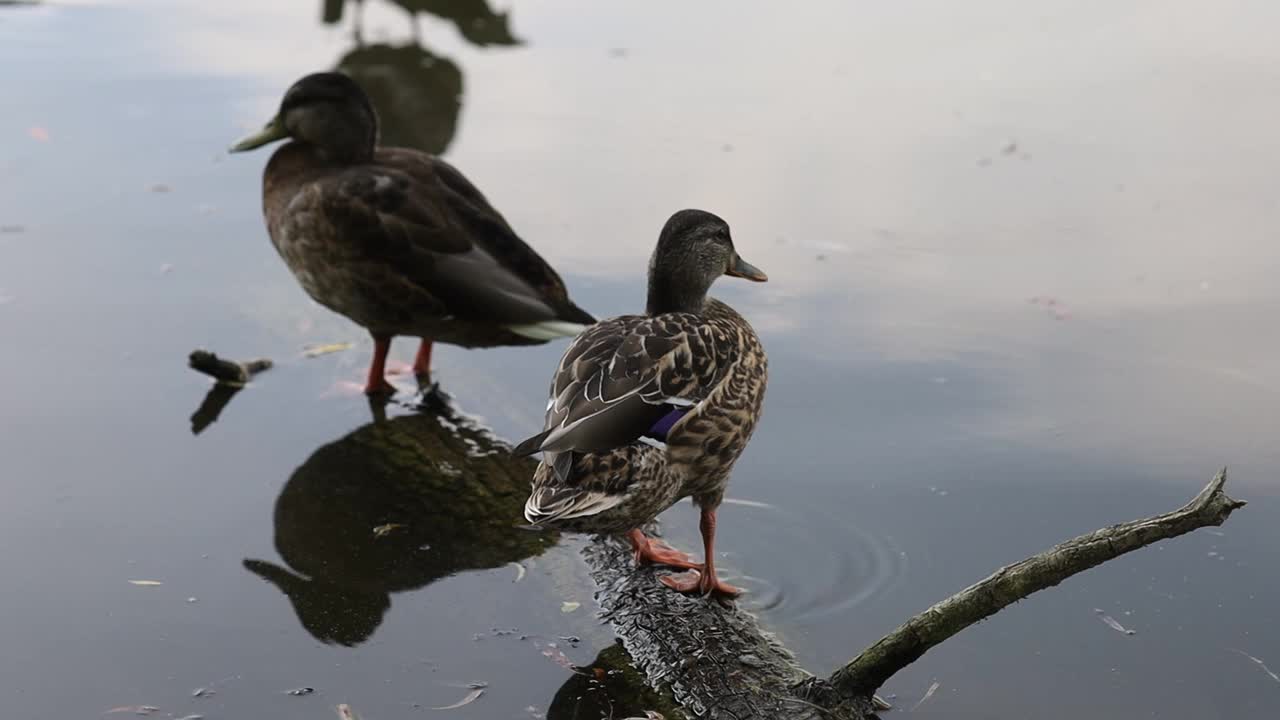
<point x="618" y="378"/>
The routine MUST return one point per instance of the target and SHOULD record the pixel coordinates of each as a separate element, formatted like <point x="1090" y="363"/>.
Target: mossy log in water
<point x="400" y="503"/>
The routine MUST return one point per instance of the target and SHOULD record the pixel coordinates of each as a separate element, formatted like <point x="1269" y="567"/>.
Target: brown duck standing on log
<point x="648" y="409"/>
<point x="396" y="239"/>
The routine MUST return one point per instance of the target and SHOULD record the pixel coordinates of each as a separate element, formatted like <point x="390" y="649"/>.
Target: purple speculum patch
<point x="663" y="426"/>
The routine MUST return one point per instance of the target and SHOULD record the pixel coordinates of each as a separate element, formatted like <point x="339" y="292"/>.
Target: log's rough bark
<point x="869" y="670"/>
<point x="716" y="661"/>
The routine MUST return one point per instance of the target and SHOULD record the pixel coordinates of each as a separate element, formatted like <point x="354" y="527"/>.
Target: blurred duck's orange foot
<point x="700" y="583"/>
<point x="654" y="552"/>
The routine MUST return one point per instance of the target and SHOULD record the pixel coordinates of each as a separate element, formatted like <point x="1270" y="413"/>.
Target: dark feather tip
<point x="530" y="446"/>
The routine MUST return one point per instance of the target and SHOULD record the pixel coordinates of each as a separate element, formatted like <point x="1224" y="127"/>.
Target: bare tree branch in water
<point x="719" y="663"/>
<point x="867" y="672"/>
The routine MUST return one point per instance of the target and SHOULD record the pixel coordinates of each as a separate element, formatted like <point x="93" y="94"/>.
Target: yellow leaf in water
<point x="384" y="530"/>
<point x="470" y="698"/>
<point x="568" y="607"/>
<point x="147" y="583"/>
<point x="312" y="351"/>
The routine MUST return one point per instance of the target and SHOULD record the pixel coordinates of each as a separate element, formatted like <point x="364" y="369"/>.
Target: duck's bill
<point x="743" y="269"/>
<point x="272" y="132"/>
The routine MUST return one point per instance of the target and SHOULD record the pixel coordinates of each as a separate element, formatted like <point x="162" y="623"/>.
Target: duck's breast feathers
<point x="620" y="378"/>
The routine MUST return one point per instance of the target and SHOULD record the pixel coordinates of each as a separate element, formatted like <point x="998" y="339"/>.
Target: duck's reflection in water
<point x="395" y="506"/>
<point x="478" y="23"/>
<point x="417" y="93"/>
<point x="608" y="688"/>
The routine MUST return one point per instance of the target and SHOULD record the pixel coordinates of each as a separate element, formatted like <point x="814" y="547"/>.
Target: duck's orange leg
<point x="377" y="383"/>
<point x="703" y="580"/>
<point x="653" y="552"/>
<point x="422" y="363"/>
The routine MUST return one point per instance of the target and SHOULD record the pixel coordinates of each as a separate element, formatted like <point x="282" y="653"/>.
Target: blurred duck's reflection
<point x="395" y="506"/>
<point x="478" y="23"/>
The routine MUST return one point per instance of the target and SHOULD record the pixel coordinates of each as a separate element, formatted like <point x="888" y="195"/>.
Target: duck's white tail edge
<point x="548" y="330"/>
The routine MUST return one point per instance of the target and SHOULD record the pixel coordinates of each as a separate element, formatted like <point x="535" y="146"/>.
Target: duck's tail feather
<point x="551" y="504"/>
<point x="530" y="446"/>
<point x="562" y="464"/>
<point x="548" y="329"/>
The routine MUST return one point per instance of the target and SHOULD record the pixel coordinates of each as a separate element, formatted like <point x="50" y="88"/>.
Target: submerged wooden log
<point x="352" y="521"/>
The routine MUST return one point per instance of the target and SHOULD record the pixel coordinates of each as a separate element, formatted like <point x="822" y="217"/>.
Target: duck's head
<point x="327" y="110"/>
<point x="693" y="250"/>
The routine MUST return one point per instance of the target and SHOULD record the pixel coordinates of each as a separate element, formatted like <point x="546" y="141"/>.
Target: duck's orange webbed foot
<point x="700" y="583"/>
<point x="703" y="580"/>
<point x="654" y="552"/>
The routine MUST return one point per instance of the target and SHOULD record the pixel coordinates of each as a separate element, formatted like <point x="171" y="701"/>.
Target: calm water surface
<point x="1023" y="269"/>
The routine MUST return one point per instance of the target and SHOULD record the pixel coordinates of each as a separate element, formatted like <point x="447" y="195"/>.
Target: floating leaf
<point x="569" y="606"/>
<point x="298" y="692"/>
<point x="346" y="713"/>
<point x="135" y="709"/>
<point x="470" y="698"/>
<point x="312" y="351"/>
<point x="146" y="583"/>
<point x="519" y="571"/>
<point x="39" y="134"/>
<point x="1113" y="623"/>
<point x="928" y="694"/>
<point x="191" y="717"/>
<point x="552" y="652"/>
<point x="385" y="530"/>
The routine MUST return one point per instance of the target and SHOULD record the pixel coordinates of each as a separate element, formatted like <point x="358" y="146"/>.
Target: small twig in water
<point x="226" y="371"/>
